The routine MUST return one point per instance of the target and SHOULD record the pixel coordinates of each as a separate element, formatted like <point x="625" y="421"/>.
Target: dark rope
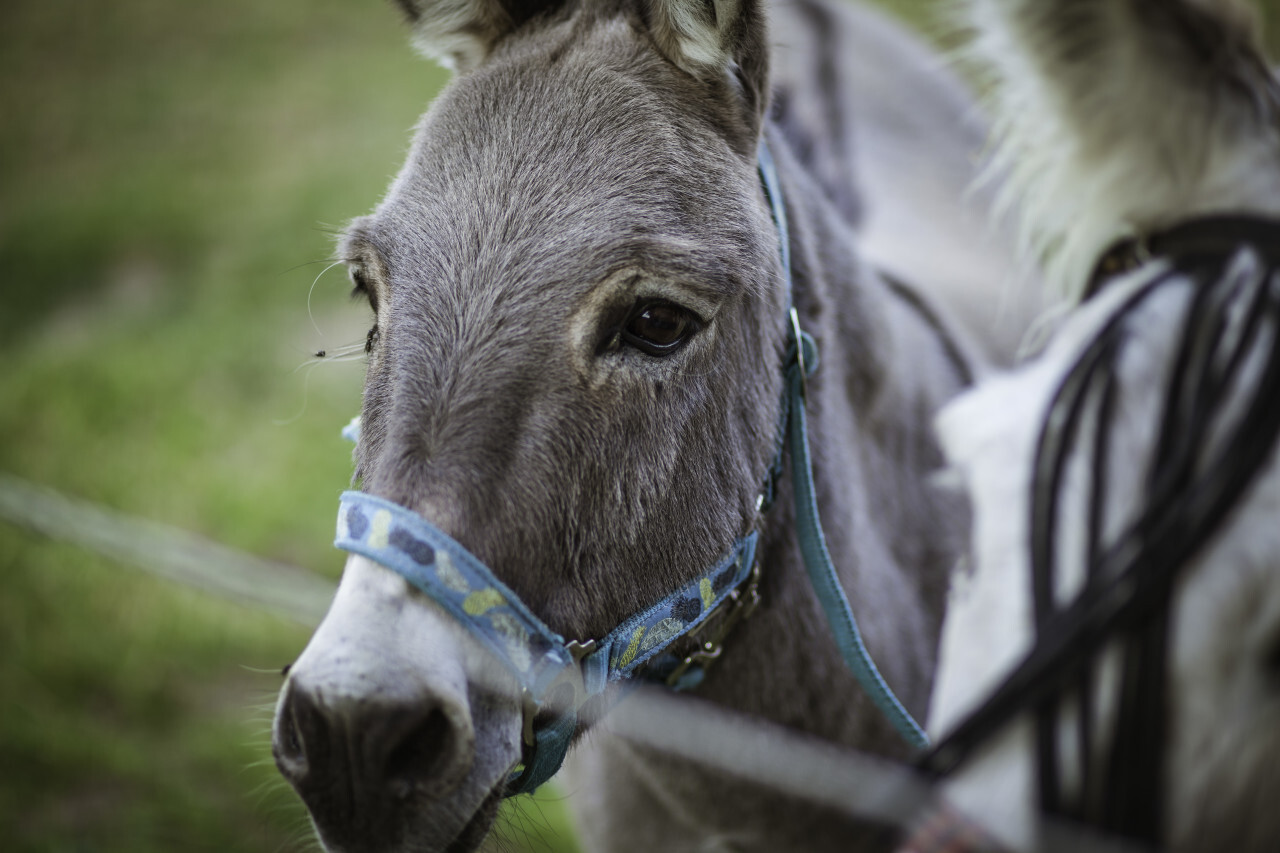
<point x="1191" y="485"/>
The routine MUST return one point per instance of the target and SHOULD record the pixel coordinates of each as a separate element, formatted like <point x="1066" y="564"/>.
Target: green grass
<point x="171" y="176"/>
<point x="135" y="714"/>
<point x="171" y="179"/>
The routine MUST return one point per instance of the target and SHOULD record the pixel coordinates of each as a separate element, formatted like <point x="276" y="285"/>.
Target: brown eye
<point x="659" y="328"/>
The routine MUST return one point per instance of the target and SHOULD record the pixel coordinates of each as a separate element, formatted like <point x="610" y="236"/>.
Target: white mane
<point x="1102" y="129"/>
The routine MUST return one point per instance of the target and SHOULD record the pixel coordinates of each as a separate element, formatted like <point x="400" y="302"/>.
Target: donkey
<point x="572" y="409"/>
<point x="1111" y="655"/>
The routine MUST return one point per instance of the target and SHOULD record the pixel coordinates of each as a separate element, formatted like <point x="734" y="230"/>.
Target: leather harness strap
<point x="1197" y="241"/>
<point x="1206" y="456"/>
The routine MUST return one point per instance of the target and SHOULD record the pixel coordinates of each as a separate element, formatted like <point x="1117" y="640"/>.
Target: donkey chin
<point x="378" y="723"/>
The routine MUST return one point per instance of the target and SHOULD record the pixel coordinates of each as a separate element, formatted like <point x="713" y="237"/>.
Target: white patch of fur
<point x="1130" y="140"/>
<point x="997" y="789"/>
<point x="988" y="435"/>
<point x="1224" y="691"/>
<point x="348" y="654"/>
<point x="383" y="642"/>
<point x="690" y="37"/>
<point x="456" y="33"/>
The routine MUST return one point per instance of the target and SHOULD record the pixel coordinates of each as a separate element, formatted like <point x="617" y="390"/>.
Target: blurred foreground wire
<point x="858" y="785"/>
<point x="169" y="552"/>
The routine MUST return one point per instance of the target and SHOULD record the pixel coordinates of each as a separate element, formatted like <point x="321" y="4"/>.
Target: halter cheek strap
<point x="802" y="361"/>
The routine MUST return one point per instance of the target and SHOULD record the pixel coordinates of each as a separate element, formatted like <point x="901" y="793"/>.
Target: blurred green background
<point x="171" y="179"/>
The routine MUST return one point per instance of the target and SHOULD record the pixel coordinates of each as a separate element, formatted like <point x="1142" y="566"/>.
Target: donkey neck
<point x="883" y="372"/>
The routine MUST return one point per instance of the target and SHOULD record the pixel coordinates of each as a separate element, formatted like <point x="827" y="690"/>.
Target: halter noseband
<point x="554" y="674"/>
<point x="558" y="677"/>
<point x="1206" y="456"/>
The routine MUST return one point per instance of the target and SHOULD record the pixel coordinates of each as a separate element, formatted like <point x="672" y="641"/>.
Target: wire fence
<point x="169" y="552"/>
<point x="850" y="783"/>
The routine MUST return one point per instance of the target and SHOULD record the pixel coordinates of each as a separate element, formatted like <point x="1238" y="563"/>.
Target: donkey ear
<point x="460" y="33"/>
<point x="710" y="36"/>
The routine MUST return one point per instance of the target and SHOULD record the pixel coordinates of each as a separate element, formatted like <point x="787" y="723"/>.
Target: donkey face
<point x="573" y="371"/>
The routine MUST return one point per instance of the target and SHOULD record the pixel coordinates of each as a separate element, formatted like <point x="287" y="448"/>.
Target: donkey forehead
<point x="529" y="170"/>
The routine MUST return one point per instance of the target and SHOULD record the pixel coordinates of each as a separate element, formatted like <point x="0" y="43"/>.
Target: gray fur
<point x="586" y="160"/>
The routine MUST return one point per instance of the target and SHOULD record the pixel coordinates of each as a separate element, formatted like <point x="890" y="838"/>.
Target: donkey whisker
<point x="311" y="290"/>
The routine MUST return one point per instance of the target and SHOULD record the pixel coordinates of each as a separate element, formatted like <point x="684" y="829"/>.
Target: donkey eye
<point x="659" y="328"/>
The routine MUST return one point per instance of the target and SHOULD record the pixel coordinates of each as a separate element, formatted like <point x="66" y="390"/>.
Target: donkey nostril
<point x="371" y="750"/>
<point x="1271" y="659"/>
<point x="430" y="758"/>
<point x="288" y="743"/>
<point x="293" y="742"/>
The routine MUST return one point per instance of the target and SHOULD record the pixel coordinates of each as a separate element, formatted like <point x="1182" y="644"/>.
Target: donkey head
<point x="573" y="372"/>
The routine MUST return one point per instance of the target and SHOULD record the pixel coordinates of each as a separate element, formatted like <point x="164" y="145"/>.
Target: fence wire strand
<point x="854" y="784"/>
<point x="169" y="552"/>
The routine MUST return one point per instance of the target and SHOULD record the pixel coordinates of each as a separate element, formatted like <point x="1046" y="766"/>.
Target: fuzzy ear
<point x="460" y="33"/>
<point x="709" y="37"/>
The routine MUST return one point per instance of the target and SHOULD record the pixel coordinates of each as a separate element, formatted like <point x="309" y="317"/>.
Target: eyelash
<point x="361" y="289"/>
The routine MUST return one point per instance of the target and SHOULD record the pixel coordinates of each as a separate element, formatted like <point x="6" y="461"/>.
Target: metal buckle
<point x="570" y="675"/>
<point x="1126" y="257"/>
<point x="741" y="603"/>
<point x="798" y="337"/>
<point x="1122" y="257"/>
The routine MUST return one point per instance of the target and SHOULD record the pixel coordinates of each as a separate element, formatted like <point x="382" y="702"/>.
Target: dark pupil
<point x="661" y="325"/>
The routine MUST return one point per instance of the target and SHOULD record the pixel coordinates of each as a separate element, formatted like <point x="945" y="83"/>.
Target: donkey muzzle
<point x="385" y="728"/>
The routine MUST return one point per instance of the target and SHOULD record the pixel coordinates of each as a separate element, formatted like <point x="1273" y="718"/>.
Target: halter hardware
<point x="545" y="666"/>
<point x="799" y="336"/>
<point x="1201" y="241"/>
<point x="738" y="605"/>
<point x="570" y="676"/>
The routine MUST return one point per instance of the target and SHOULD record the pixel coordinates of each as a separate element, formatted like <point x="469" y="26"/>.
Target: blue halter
<point x="558" y="677"/>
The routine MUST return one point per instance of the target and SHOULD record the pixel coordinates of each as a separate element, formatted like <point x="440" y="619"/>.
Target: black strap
<point x="946" y="340"/>
<point x="1191" y="487"/>
<point x="1207" y="239"/>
